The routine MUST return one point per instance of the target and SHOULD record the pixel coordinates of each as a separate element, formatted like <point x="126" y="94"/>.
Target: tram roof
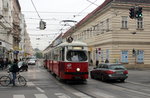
<point x="74" y="43"/>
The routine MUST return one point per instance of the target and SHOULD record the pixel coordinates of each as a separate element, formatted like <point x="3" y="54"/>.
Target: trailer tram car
<point x="59" y="61"/>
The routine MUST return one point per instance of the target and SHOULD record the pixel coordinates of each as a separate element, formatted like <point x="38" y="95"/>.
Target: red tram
<point x="68" y="61"/>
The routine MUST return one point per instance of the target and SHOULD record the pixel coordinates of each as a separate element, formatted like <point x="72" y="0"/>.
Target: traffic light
<point x="132" y="13"/>
<point x="139" y="12"/>
<point x="42" y="25"/>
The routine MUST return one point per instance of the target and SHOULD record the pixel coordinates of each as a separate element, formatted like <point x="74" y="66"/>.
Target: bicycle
<point x="6" y="80"/>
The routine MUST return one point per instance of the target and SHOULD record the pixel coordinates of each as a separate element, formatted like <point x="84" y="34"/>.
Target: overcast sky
<point x="53" y="12"/>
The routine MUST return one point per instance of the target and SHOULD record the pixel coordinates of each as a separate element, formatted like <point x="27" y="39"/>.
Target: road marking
<point x="103" y="95"/>
<point x="18" y="96"/>
<point x="81" y="95"/>
<point x="76" y="93"/>
<point x="40" y="96"/>
<point x="142" y="93"/>
<point x="62" y="95"/>
<point x="138" y="83"/>
<point x="39" y="89"/>
<point x="30" y="84"/>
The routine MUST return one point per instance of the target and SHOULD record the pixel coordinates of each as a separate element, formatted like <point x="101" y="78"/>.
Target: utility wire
<point x="85" y="8"/>
<point x="36" y="9"/>
<point x="92" y="2"/>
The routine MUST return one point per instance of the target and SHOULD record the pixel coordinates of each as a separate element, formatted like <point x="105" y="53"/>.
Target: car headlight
<point x="78" y="69"/>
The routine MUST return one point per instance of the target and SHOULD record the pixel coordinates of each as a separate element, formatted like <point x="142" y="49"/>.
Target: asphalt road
<point x="41" y="84"/>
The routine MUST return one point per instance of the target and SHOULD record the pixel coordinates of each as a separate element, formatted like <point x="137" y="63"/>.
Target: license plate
<point x="119" y="72"/>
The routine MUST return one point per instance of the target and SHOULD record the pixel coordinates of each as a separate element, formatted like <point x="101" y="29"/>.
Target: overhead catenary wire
<point x="35" y="9"/>
<point x="92" y="2"/>
<point x="85" y="8"/>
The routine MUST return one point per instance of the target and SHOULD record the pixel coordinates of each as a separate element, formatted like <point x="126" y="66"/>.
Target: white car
<point x="31" y="62"/>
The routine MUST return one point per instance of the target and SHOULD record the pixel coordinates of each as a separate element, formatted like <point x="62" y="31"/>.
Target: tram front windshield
<point x="76" y="55"/>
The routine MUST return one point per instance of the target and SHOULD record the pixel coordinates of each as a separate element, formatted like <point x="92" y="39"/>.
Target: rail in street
<point x="41" y="84"/>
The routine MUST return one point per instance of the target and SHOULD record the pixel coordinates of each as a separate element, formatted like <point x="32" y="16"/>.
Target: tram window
<point x="63" y="52"/>
<point x="81" y="55"/>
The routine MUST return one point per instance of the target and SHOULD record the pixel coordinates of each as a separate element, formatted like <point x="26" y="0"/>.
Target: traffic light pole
<point x="134" y="53"/>
<point x="135" y="63"/>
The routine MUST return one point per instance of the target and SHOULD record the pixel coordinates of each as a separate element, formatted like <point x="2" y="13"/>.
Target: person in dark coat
<point x="14" y="69"/>
<point x="24" y="66"/>
<point x="106" y="61"/>
<point x="1" y="63"/>
<point x="6" y="62"/>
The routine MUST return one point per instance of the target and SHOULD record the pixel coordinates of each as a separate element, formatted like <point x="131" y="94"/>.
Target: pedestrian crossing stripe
<point x="40" y="96"/>
<point x="62" y="95"/>
<point x="18" y="96"/>
<point x="30" y="84"/>
<point x="36" y="96"/>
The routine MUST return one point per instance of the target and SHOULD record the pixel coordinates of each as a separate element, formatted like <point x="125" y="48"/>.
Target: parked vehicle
<point x="59" y="61"/>
<point x="23" y="66"/>
<point x="109" y="72"/>
<point x="31" y="61"/>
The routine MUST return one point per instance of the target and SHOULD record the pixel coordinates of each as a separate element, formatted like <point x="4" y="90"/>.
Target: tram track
<point x="135" y="87"/>
<point x="87" y="91"/>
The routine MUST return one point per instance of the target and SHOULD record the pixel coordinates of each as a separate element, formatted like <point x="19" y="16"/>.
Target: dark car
<point x="23" y="66"/>
<point x="109" y="72"/>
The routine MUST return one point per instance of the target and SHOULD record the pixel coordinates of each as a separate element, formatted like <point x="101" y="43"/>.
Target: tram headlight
<point x="78" y="69"/>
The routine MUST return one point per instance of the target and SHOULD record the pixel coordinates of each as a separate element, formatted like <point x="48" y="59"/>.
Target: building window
<point x="140" y="56"/>
<point x="107" y="25"/>
<point x="140" y="23"/>
<point x="124" y="22"/>
<point x="124" y="56"/>
<point x="102" y="27"/>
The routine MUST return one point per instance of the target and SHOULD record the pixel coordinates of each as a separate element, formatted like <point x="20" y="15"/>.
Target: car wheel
<point x="92" y="77"/>
<point x="103" y="78"/>
<point x="122" y="80"/>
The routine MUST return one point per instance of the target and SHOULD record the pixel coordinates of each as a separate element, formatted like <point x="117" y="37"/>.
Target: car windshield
<point x="117" y="67"/>
<point x="76" y="55"/>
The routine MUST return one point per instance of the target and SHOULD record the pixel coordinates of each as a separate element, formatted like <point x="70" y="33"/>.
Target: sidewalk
<point x="91" y="67"/>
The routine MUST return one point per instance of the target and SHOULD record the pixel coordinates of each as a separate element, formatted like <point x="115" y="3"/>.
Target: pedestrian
<point x="1" y="63"/>
<point x="97" y="62"/>
<point x="91" y="62"/>
<point x="14" y="69"/>
<point x="97" y="58"/>
<point x="6" y="62"/>
<point x="106" y="61"/>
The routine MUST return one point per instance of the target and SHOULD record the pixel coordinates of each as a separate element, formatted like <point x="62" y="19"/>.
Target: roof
<point x="134" y="1"/>
<point x="99" y="8"/>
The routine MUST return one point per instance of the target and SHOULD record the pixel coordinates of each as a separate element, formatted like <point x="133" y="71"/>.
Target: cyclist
<point x="14" y="69"/>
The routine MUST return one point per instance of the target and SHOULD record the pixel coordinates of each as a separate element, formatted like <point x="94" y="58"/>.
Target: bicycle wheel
<point x="5" y="80"/>
<point x="21" y="81"/>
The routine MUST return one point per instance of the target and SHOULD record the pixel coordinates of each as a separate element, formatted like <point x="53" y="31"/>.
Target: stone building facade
<point x="111" y="34"/>
<point x="12" y="31"/>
